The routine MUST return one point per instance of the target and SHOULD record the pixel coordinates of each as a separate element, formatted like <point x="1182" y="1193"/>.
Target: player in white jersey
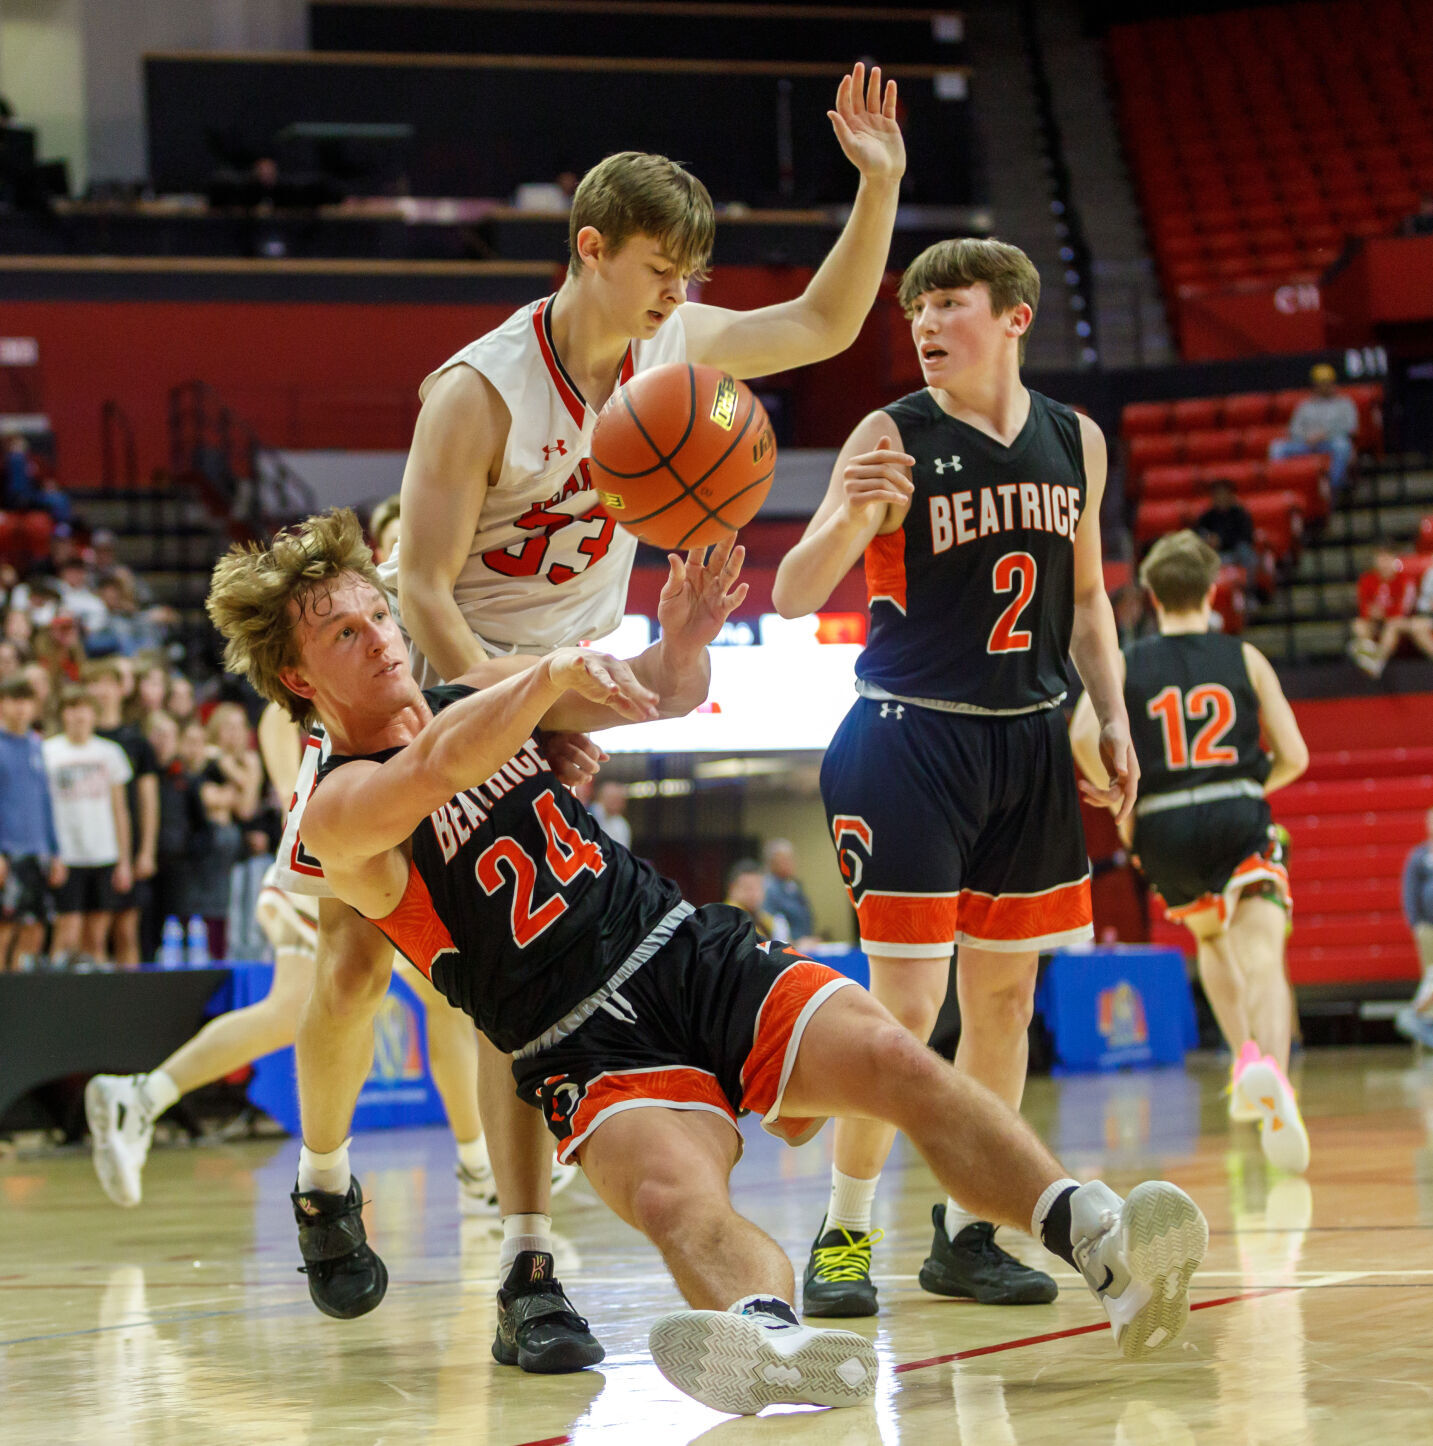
<point x="504" y="549"/>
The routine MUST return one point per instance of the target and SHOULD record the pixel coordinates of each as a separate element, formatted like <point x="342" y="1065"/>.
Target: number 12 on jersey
<point x="1169" y="708"/>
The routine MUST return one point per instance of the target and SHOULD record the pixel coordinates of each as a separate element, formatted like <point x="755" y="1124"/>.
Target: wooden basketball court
<point x="185" y="1319"/>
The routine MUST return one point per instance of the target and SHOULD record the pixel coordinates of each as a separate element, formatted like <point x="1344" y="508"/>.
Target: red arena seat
<point x="1154" y="449"/>
<point x="1247" y="409"/>
<point x="1141" y="418"/>
<point x="1154" y="519"/>
<point x="1196" y="414"/>
<point x="1222" y="445"/>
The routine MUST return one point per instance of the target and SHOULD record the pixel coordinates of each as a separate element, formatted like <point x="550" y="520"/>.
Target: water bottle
<point x="196" y="949"/>
<point x="171" y="944"/>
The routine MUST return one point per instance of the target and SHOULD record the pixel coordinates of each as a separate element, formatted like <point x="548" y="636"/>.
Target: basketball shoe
<point x="121" y="1123"/>
<point x="1242" y="1109"/>
<point x="1137" y="1255"/>
<point x="974" y="1267"/>
<point x="838" y="1274"/>
<point x="1282" y="1135"/>
<point x="538" y="1330"/>
<point x="478" y="1189"/>
<point x="346" y="1279"/>
<point x="757" y="1354"/>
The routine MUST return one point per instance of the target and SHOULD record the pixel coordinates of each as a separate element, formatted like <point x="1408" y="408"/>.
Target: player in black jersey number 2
<point x="1200" y="706"/>
<point x="639" y="1025"/>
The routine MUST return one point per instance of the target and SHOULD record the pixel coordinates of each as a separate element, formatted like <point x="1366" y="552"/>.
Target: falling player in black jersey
<point x="639" y="1025"/>
<point x="1199" y="705"/>
<point x="948" y="787"/>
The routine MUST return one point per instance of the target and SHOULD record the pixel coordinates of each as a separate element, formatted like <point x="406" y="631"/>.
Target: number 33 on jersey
<point x="972" y="599"/>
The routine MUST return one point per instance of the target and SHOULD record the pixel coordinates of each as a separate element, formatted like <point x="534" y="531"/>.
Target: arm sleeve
<point x="119" y="769"/>
<point x="1348" y="420"/>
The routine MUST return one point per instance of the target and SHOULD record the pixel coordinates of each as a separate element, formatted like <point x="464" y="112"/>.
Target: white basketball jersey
<point x="548" y="567"/>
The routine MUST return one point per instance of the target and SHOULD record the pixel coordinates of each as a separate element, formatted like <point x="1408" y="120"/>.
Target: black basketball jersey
<point x="518" y="903"/>
<point x="972" y="599"/>
<point x="1193" y="713"/>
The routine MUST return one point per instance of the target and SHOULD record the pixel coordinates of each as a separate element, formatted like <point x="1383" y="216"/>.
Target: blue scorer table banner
<point x="398" y="1092"/>
<point x="1108" y="1005"/>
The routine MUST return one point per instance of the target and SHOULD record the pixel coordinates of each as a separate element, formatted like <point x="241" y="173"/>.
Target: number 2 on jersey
<point x="568" y="853"/>
<point x="1003" y="636"/>
<point x="1169" y="708"/>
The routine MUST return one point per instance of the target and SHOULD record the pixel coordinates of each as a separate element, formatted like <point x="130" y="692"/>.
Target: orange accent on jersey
<point x="909" y="919"/>
<point x="417" y="932"/>
<point x="886" y="567"/>
<point x="787" y="997"/>
<point x="1008" y="918"/>
<point x="675" y="1086"/>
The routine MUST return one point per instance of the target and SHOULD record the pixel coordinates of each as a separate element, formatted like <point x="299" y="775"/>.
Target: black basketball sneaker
<point x="974" y="1267"/>
<point x="538" y="1330"/>
<point x="345" y="1278"/>
<point x="838" y="1274"/>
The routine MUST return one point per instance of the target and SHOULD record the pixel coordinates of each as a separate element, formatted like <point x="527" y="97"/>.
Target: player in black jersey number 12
<point x="1201" y="705"/>
<point x="641" y="1026"/>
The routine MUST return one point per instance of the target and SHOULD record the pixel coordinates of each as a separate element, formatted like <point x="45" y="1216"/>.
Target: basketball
<point x="683" y="455"/>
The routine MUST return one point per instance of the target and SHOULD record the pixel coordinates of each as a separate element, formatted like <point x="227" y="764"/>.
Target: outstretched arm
<point x="869" y="493"/>
<point x="1095" y="644"/>
<point x="826" y="318"/>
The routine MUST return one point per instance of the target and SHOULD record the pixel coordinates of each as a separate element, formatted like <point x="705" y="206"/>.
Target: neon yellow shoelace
<point x="847" y="1262"/>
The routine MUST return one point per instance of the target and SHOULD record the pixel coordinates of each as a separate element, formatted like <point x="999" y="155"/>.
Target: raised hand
<point x="865" y="124"/>
<point x="603" y="679"/>
<point x="700" y="594"/>
<point x="572" y="757"/>
<point x="877" y="479"/>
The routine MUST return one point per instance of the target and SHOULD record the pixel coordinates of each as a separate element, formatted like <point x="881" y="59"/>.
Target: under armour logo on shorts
<point x="896" y="709"/>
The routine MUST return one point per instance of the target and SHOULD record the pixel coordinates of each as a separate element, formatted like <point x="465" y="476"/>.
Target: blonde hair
<point x="1007" y="272"/>
<point x="258" y="594"/>
<point x="1179" y="570"/>
<point x="637" y="194"/>
<point x="382" y="515"/>
<point x="220" y="712"/>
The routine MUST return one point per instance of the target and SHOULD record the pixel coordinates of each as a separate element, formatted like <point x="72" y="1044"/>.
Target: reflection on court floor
<point x="186" y="1318"/>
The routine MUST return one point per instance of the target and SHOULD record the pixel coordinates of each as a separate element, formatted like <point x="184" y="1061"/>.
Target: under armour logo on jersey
<point x="896" y="709"/>
<point x="942" y="463"/>
<point x="559" y="446"/>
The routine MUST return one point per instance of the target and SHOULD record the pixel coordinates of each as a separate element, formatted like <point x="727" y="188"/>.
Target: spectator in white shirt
<point x="610" y="810"/>
<point x="87" y="775"/>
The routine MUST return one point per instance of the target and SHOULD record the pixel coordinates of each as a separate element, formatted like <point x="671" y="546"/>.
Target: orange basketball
<point x="682" y="456"/>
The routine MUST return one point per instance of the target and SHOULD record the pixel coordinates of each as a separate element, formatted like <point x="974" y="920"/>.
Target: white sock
<point x="523" y="1232"/>
<point x="957" y="1217"/>
<point x="473" y="1156"/>
<point x="851" y="1201"/>
<point x="1048" y="1196"/>
<point x="159" y="1092"/>
<point x="328" y="1172"/>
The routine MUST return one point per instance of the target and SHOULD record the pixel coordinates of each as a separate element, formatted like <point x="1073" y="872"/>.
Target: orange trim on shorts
<point x="675" y="1088"/>
<point x="1255" y="867"/>
<point x="909" y="918"/>
<point x="414" y="927"/>
<point x="1029" y="916"/>
<point x="761" y="1075"/>
<point x="885" y="563"/>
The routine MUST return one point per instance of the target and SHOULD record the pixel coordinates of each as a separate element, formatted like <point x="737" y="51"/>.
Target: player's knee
<point x="350" y="985"/>
<point x="892" y="1068"/>
<point x="1007" y="1010"/>
<point x="664" y="1206"/>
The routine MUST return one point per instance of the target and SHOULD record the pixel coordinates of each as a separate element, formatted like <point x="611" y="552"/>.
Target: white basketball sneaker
<point x="121" y="1129"/>
<point x="757" y="1354"/>
<point x="478" y="1189"/>
<point x="1137" y="1255"/>
<point x="1242" y="1108"/>
<point x="1282" y="1135"/>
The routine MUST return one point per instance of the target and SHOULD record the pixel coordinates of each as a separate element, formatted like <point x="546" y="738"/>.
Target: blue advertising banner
<point x="398" y="1092"/>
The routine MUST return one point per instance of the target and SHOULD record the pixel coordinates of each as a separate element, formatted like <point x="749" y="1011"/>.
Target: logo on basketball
<point x="854" y="842"/>
<point x="724" y="404"/>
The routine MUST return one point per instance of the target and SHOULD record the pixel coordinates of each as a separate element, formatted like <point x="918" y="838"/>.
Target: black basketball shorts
<point x="954" y="828"/>
<point x="712" y="1021"/>
<point x="1205" y="855"/>
<point x="88" y="889"/>
<point x="25" y="895"/>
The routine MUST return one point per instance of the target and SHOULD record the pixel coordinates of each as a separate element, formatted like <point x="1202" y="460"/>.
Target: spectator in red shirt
<point x="1387" y="593"/>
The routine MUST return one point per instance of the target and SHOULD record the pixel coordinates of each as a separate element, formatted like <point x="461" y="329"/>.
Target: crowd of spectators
<point x="1395" y="607"/>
